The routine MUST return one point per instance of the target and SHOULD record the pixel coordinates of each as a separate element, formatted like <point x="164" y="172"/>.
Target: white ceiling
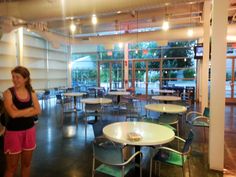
<point x="53" y="17"/>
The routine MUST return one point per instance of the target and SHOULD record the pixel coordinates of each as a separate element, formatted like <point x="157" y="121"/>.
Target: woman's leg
<point x="26" y="157"/>
<point x="12" y="163"/>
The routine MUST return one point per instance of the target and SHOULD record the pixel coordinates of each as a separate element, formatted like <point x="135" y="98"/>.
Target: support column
<point x="69" y="69"/>
<point x="218" y="72"/>
<point x="47" y="65"/>
<point x="20" y="46"/>
<point x="126" y="66"/>
<point x="98" y="74"/>
<point x="204" y="64"/>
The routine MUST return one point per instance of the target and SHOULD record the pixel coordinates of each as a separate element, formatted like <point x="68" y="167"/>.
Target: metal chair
<point x="155" y="121"/>
<point x="66" y="108"/>
<point x="198" y="119"/>
<point x="173" y="157"/>
<point x="91" y="110"/>
<point x="110" y="156"/>
<point x="46" y="95"/>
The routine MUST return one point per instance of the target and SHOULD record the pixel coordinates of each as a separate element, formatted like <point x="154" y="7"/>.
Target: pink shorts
<point x="17" y="141"/>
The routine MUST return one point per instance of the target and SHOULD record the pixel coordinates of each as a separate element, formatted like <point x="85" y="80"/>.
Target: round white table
<point x="96" y="101"/>
<point x="165" y="91"/>
<point x="151" y="134"/>
<point x="39" y="91"/>
<point x="121" y="90"/>
<point x="166" y="108"/>
<point x="118" y="94"/>
<point x="166" y="98"/>
<point x="74" y="95"/>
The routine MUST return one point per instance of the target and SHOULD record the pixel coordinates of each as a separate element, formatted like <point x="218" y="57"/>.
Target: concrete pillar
<point x="69" y="64"/>
<point x="20" y="46"/>
<point x="47" y="65"/>
<point x="217" y="92"/>
<point x="204" y="64"/>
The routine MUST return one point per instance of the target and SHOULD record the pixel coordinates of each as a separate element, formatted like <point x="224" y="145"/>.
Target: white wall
<point x="48" y="66"/>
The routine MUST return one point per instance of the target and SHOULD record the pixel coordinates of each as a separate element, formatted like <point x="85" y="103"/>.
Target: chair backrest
<point x="188" y="142"/>
<point x="107" y="152"/>
<point x="92" y="107"/>
<point x="206" y="112"/>
<point x="58" y="96"/>
<point x="98" y="127"/>
<point x="47" y="92"/>
<point x="152" y="91"/>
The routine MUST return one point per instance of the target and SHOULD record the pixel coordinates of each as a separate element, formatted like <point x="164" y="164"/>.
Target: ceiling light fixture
<point x="94" y="19"/>
<point x="72" y="27"/>
<point x="120" y="45"/>
<point x="165" y="24"/>
<point x="190" y="32"/>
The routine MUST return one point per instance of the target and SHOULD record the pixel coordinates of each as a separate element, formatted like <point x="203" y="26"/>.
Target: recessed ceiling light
<point x="165" y="25"/>
<point x="94" y="19"/>
<point x="120" y="45"/>
<point x="190" y="32"/>
<point x="72" y="27"/>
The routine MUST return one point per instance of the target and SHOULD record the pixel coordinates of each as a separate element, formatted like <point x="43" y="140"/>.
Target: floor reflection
<point x="68" y="131"/>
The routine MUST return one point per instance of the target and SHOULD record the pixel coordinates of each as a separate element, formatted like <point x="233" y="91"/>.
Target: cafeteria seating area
<point x="140" y="88"/>
<point x="63" y="149"/>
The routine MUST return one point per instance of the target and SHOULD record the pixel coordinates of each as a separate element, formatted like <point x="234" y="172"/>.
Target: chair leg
<point x="159" y="168"/>
<point x="183" y="170"/>
<point x="62" y="119"/>
<point x="76" y="119"/>
<point x="204" y="134"/>
<point x="150" y="168"/>
<point x="177" y="128"/>
<point x="140" y="167"/>
<point x="93" y="168"/>
<point x="85" y="125"/>
<point x="189" y="167"/>
<point x="123" y="173"/>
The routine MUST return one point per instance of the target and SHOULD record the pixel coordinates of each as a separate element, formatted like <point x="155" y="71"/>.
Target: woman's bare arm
<point x="36" y="106"/>
<point x="13" y="111"/>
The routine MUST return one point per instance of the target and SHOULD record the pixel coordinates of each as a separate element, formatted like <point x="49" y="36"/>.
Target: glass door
<point x="153" y="76"/>
<point x="117" y="72"/>
<point x="111" y="74"/>
<point x="230" y="92"/>
<point x="140" y="77"/>
<point x="105" y="75"/>
<point x="146" y="76"/>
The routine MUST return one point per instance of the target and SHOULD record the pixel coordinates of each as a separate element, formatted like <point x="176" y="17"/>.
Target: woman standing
<point x="22" y="105"/>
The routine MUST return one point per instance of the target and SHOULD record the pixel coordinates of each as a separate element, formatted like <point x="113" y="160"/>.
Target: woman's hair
<point x="24" y="72"/>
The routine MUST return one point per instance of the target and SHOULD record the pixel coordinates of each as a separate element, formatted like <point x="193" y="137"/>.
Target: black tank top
<point x="24" y="122"/>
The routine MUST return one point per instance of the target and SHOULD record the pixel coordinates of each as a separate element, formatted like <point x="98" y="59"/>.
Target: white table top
<point x="152" y="134"/>
<point x="74" y="94"/>
<point x="121" y="90"/>
<point x="167" y="108"/>
<point x="64" y="88"/>
<point x="118" y="93"/>
<point x="165" y="91"/>
<point x="97" y="88"/>
<point x="166" y="98"/>
<point x="96" y="101"/>
<point x="38" y="91"/>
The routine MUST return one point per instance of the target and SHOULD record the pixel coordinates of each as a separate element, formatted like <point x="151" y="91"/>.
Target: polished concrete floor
<point x="63" y="151"/>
